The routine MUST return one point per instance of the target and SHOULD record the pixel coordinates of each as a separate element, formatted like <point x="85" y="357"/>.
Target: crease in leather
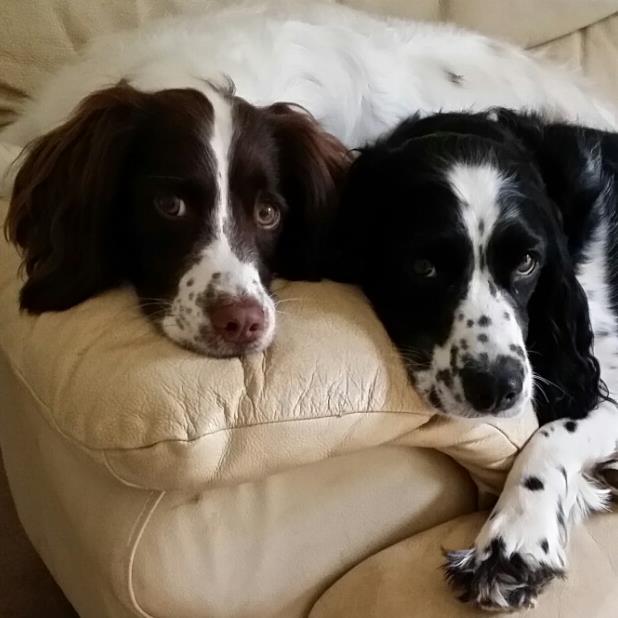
<point x="437" y="418"/>
<point x="578" y="31"/>
<point x="50" y="417"/>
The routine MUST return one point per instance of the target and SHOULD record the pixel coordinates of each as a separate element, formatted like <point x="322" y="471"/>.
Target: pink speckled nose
<point x="238" y="322"/>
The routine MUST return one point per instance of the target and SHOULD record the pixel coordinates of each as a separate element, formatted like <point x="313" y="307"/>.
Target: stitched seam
<point x="141" y="522"/>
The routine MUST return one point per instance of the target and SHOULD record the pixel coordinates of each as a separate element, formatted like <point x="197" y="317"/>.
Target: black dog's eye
<point x="171" y="207"/>
<point x="424" y="268"/>
<point x="266" y="215"/>
<point x="527" y="266"/>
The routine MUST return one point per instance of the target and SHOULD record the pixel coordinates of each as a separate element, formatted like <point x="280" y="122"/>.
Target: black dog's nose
<point x="493" y="387"/>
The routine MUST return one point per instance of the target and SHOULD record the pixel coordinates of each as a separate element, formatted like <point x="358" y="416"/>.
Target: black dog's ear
<point x="365" y="198"/>
<point x="62" y="203"/>
<point x="312" y="165"/>
<point x="560" y="339"/>
<point x="571" y="163"/>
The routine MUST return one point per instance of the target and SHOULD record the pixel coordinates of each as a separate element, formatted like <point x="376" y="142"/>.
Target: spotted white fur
<point x="217" y="272"/>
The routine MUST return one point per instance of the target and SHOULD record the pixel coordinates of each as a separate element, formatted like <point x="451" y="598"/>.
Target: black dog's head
<point x="452" y="229"/>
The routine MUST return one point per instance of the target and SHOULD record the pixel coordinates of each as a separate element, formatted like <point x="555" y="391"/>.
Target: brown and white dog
<point x="195" y="199"/>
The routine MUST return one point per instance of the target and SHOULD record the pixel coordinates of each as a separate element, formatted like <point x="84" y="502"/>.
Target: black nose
<point x="493" y="387"/>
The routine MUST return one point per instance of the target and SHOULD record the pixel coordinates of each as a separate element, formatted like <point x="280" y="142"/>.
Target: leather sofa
<point x="307" y="481"/>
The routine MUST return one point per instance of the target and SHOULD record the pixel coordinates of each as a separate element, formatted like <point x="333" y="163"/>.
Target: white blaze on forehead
<point x="218" y="271"/>
<point x="477" y="187"/>
<point x="220" y="143"/>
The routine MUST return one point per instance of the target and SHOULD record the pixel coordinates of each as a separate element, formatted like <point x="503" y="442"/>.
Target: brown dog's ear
<point x="312" y="165"/>
<point x="62" y="208"/>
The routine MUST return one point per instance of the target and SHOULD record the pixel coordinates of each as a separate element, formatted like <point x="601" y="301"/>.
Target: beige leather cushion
<point x="38" y="36"/>
<point x="405" y="581"/>
<point x="161" y="417"/>
<point x="265" y="549"/>
<point x="592" y="50"/>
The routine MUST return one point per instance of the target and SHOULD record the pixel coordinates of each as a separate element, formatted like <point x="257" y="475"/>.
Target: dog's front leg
<point x="558" y="478"/>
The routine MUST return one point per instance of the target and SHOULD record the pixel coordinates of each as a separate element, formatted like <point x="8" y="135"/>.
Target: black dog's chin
<point x="433" y="399"/>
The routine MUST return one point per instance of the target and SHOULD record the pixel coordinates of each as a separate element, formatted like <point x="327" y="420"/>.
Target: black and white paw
<point x="497" y="580"/>
<point x="519" y="550"/>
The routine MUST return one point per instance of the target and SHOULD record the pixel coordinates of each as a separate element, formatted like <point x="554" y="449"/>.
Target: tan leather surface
<point x="404" y="581"/>
<point x="527" y="22"/>
<point x="265" y="549"/>
<point x="269" y="549"/>
<point x="594" y="51"/>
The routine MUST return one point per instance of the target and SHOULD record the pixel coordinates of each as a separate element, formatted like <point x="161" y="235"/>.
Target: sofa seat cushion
<point x="161" y="417"/>
<point x="405" y="579"/>
<point x="264" y="549"/>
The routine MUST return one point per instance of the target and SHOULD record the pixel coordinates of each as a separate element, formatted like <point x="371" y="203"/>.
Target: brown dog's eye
<point x="266" y="215"/>
<point x="527" y="266"/>
<point x="172" y="207"/>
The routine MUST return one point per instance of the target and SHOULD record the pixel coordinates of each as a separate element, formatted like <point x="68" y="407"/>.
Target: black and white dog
<point x="487" y="244"/>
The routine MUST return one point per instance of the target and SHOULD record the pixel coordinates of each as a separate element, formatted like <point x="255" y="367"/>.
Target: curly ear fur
<point x="312" y="164"/>
<point x="560" y="335"/>
<point x="560" y="340"/>
<point x="62" y="207"/>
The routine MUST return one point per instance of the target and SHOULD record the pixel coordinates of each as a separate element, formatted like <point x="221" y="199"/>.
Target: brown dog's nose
<point x="238" y="322"/>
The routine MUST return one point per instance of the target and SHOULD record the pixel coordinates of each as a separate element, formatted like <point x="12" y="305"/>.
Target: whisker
<point x="540" y="380"/>
<point x="281" y="301"/>
<point x="544" y="380"/>
<point x="542" y="391"/>
<point x="161" y="301"/>
<point x="413" y="353"/>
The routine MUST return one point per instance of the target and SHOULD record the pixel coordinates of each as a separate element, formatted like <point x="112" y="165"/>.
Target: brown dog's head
<point x="196" y="198"/>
